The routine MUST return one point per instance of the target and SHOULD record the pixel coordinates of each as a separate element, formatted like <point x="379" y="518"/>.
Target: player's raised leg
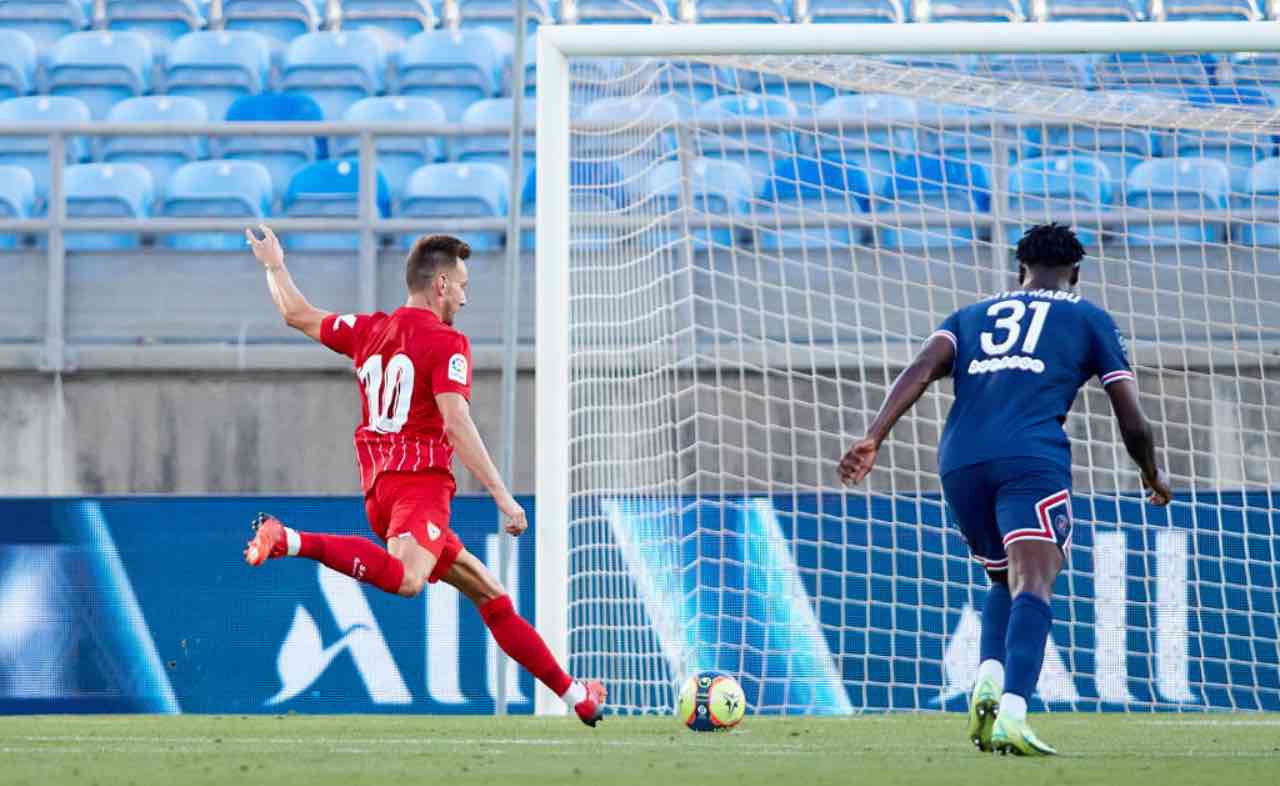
<point x="357" y="557"/>
<point x="985" y="700"/>
<point x="519" y="639"/>
<point x="1033" y="566"/>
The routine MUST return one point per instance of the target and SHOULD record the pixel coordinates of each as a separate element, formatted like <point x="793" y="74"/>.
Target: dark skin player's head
<point x="1049" y="257"/>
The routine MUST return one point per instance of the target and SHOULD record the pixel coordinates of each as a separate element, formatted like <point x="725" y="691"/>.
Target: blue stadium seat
<point x="970" y="141"/>
<point x="281" y="155"/>
<point x="1259" y="70"/>
<point x="616" y="12"/>
<point x="443" y="191"/>
<point x="1074" y="71"/>
<point x="456" y="68"/>
<point x="218" y="67"/>
<point x="46" y="20"/>
<point x="101" y="68"/>
<point x="1263" y="206"/>
<point x="160" y="155"/>
<point x="335" y="69"/>
<point x="1119" y="148"/>
<point x="804" y="184"/>
<point x="107" y="191"/>
<point x="969" y="11"/>
<point x="403" y="18"/>
<point x="398" y="156"/>
<point x="1209" y="10"/>
<point x="1191" y="184"/>
<point x="857" y="11"/>
<point x="717" y="188"/>
<point x="935" y="187"/>
<point x="1092" y="11"/>
<point x="1138" y="70"/>
<point x="1061" y="188"/>
<point x="495" y="148"/>
<point x="280" y="20"/>
<point x="744" y="11"/>
<point x="17" y="199"/>
<point x="872" y="150"/>
<point x="755" y="149"/>
<point x="500" y="14"/>
<point x="163" y="21"/>
<point x="639" y="119"/>
<point x="216" y="189"/>
<point x="329" y="189"/>
<point x="32" y="153"/>
<point x="17" y="63"/>
<point x="1239" y="151"/>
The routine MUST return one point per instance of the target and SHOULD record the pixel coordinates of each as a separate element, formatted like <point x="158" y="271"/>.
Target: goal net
<point x="755" y="246"/>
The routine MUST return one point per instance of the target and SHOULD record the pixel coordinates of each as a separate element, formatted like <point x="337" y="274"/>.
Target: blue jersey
<point x="1021" y="357"/>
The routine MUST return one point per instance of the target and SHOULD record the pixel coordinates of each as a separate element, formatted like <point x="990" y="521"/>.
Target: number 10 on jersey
<point x="389" y="392"/>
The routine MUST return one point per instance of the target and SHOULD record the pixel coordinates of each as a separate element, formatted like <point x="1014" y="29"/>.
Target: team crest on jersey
<point x="458" y="368"/>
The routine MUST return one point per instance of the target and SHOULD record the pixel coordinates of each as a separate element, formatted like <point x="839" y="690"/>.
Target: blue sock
<point x="1029" y="623"/>
<point x="995" y="623"/>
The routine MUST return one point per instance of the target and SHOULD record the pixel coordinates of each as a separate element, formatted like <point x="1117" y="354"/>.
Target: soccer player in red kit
<point x="414" y="372"/>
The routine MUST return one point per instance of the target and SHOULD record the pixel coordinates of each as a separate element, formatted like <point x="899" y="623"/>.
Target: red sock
<point x="360" y="558"/>
<point x="519" y="640"/>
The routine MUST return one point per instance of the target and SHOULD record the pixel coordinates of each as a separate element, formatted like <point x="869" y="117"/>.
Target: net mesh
<point x="759" y="244"/>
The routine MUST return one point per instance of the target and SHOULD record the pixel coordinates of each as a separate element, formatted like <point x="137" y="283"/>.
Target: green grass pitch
<point x="1110" y="750"/>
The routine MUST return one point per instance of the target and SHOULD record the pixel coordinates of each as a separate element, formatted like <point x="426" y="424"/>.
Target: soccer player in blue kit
<point x="1018" y="359"/>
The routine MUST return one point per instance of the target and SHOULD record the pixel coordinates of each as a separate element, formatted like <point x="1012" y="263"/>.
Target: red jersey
<point x="401" y="361"/>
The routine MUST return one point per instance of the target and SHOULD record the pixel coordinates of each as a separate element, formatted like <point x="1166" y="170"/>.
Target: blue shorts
<point x="998" y="502"/>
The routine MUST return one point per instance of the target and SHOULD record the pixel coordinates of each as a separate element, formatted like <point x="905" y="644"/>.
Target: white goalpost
<point x="745" y="231"/>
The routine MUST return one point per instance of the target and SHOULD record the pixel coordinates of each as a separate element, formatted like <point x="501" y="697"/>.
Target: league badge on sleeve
<point x="458" y="368"/>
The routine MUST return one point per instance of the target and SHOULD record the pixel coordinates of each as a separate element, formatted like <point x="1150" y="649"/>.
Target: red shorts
<point x="416" y="504"/>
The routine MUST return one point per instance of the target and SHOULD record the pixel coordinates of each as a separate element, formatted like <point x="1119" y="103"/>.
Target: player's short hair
<point x="1049" y="245"/>
<point x="431" y="255"/>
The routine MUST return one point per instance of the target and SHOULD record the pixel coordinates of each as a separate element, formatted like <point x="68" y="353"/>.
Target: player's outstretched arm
<point x="933" y="363"/>
<point x="297" y="312"/>
<point x="1138" y="439"/>
<point x="470" y="449"/>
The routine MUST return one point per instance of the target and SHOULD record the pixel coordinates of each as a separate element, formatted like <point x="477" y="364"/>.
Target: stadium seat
<point x="163" y="21"/>
<point x="280" y="20"/>
<point x="329" y="189"/>
<point x="1069" y="189"/>
<point x="646" y="126"/>
<point x="444" y="191"/>
<point x="856" y="11"/>
<point x="717" y="188"/>
<point x="920" y="199"/>
<point x="107" y="191"/>
<point x="1263" y="206"/>
<point x="216" y="189"/>
<point x="1074" y="71"/>
<point x="755" y="149"/>
<point x="1189" y="184"/>
<point x="17" y="64"/>
<point x="744" y="11"/>
<point x="46" y="20"/>
<point x="1239" y="151"/>
<point x="1119" y="148"/>
<point x="1260" y="70"/>
<point x="160" y="155"/>
<point x="500" y="14"/>
<point x="32" y="153"/>
<point x="1138" y="70"/>
<point x="218" y="67"/>
<point x="969" y="11"/>
<point x="455" y="67"/>
<point x="495" y="148"/>
<point x="402" y="18"/>
<point x="1206" y="10"/>
<point x="969" y="141"/>
<point x="870" y="149"/>
<point x="17" y="199"/>
<point x="616" y="12"/>
<point x="804" y="184"/>
<point x="335" y="69"/>
<point x="1089" y="11"/>
<point x="281" y="155"/>
<point x="101" y="68"/>
<point x="398" y="156"/>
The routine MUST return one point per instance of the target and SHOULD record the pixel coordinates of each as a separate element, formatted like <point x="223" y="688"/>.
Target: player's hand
<point x="1158" y="492"/>
<point x="267" y="250"/>
<point x="858" y="461"/>
<point x="517" y="523"/>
